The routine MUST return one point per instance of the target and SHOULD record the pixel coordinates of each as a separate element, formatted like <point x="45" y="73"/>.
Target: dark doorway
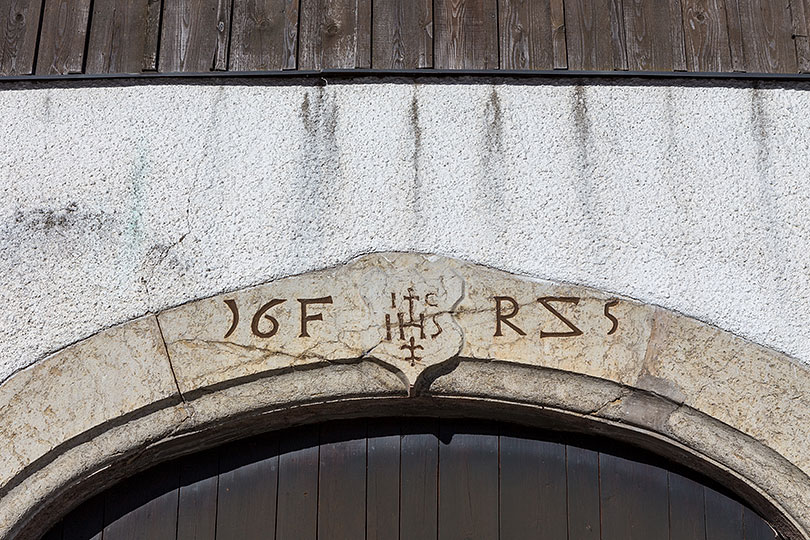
<point x="414" y="479"/>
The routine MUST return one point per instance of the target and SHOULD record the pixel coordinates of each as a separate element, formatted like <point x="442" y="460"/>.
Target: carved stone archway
<point x="399" y="334"/>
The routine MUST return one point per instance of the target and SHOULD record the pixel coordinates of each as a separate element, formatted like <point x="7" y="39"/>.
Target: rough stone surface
<point x="116" y="201"/>
<point x="102" y="379"/>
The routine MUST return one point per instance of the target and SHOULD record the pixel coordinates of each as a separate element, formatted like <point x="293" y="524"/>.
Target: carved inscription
<point x="410" y="326"/>
<point x="507" y="308"/>
<point x="265" y="325"/>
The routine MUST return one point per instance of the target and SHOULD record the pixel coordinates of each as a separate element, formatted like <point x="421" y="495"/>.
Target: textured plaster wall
<point x="120" y="200"/>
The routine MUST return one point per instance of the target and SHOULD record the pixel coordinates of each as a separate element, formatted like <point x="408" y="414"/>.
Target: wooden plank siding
<point x="71" y="37"/>
<point x="410" y="478"/>
<point x="19" y="27"/>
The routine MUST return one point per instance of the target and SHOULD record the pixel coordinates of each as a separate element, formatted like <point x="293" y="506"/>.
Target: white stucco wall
<point x="121" y="200"/>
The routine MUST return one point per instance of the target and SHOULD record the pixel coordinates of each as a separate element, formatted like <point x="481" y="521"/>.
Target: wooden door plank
<point x="195" y="35"/>
<point x="402" y="34"/>
<point x="264" y="35"/>
<point x="705" y="25"/>
<point x="152" y="38"/>
<point x="582" y="469"/>
<point x="86" y="522"/>
<point x="594" y="35"/>
<point x="686" y="509"/>
<point x="19" y="26"/>
<point x="297" y="507"/>
<point x="634" y="499"/>
<point x="526" y="34"/>
<point x="197" y="503"/>
<point x="62" y="37"/>
<point x="419" y="476"/>
<point x="756" y="528"/>
<point x="342" y="481"/>
<point x="468" y="481"/>
<point x="144" y="506"/>
<point x="735" y="35"/>
<point x="724" y="517"/>
<point x="532" y="488"/>
<point x="248" y="482"/>
<point x="466" y="34"/>
<point x="382" y="480"/>
<point x="335" y="34"/>
<point x="117" y="36"/>
<point x="800" y="13"/>
<point x="768" y="44"/>
<point x="654" y="34"/>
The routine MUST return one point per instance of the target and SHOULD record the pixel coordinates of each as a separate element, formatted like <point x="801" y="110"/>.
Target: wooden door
<point x="412" y="479"/>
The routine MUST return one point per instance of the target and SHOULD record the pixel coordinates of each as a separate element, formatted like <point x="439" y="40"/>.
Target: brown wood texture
<point x="705" y="25"/>
<point x="654" y="35"/>
<point x="468" y="482"/>
<point x="62" y="37"/>
<point x="466" y="34"/>
<point x="197" y="497"/>
<point x="530" y="35"/>
<point x="248" y="480"/>
<point x="342" y="481"/>
<point x="532" y="488"/>
<point x="595" y="35"/>
<point x="19" y="27"/>
<point x="335" y="34"/>
<point x="634" y="499"/>
<point x="118" y="36"/>
<point x="409" y="478"/>
<point x="582" y="470"/>
<point x="800" y="16"/>
<point x="402" y="34"/>
<point x="767" y="29"/>
<point x="382" y="480"/>
<point x="264" y="35"/>
<point x="195" y="35"/>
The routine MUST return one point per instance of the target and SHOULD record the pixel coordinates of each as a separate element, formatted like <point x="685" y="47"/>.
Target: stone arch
<point x="401" y="334"/>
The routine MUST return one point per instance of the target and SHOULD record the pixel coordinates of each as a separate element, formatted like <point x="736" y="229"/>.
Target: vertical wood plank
<point x="248" y="480"/>
<point x="468" y="481"/>
<point x="62" y="37"/>
<point x="735" y="36"/>
<point x="194" y="36"/>
<point x="86" y="522"/>
<point x="382" y="480"/>
<point x="705" y="26"/>
<point x="466" y="34"/>
<point x="526" y="34"/>
<point x="559" y="45"/>
<point x="419" y="479"/>
<point x="144" y="506"/>
<point x="654" y="35"/>
<point x="532" y="488"/>
<point x="335" y="34"/>
<point x="19" y="25"/>
<point x="264" y="35"/>
<point x="297" y="507"/>
<point x="800" y="13"/>
<point x="150" y="41"/>
<point x="342" y="481"/>
<point x="593" y="35"/>
<point x="197" y="510"/>
<point x="582" y="468"/>
<point x="634" y="500"/>
<point x="756" y="528"/>
<point x="117" y="36"/>
<point x="768" y="44"/>
<point x="402" y="34"/>
<point x="686" y="509"/>
<point x="723" y="517"/>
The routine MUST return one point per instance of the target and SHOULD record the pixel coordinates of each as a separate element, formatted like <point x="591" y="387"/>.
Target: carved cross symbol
<point x="411" y="346"/>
